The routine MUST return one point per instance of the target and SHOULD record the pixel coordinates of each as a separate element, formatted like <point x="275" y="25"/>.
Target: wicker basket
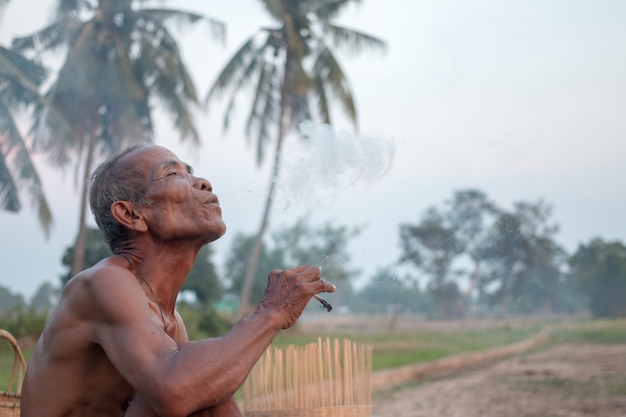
<point x="10" y="399"/>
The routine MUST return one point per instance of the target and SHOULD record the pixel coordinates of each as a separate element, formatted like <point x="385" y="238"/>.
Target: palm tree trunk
<point x="253" y="263"/>
<point x="81" y="239"/>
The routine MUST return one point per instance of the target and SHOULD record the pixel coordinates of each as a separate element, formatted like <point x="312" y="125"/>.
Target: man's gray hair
<point x="112" y="181"/>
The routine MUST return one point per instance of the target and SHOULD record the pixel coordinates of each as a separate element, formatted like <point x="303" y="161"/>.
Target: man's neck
<point x="164" y="271"/>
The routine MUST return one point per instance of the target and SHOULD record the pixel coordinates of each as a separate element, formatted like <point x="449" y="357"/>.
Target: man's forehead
<point x="151" y="155"/>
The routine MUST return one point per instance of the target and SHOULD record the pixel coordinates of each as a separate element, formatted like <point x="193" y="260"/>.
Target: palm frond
<point x="263" y="136"/>
<point x="326" y="10"/>
<point x="354" y="41"/>
<point x="319" y="90"/>
<point x="255" y="64"/>
<point x="22" y="76"/>
<point x="262" y="80"/>
<point x="159" y="53"/>
<point x="18" y="171"/>
<point x="338" y="84"/>
<point x="3" y="5"/>
<point x="165" y="88"/>
<point x="267" y="81"/>
<point x="182" y="19"/>
<point x="268" y="116"/>
<point x="50" y="38"/>
<point x="228" y="75"/>
<point x="9" y="196"/>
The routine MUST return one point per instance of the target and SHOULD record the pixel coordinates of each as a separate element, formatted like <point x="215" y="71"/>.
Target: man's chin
<point x="218" y="234"/>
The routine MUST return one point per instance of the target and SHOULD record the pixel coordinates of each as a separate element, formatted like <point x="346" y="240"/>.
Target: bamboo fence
<point x="327" y="378"/>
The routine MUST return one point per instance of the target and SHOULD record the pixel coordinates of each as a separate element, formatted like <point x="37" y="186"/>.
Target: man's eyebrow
<point x="175" y="164"/>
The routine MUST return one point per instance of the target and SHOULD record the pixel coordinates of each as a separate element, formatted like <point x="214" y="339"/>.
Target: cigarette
<point x="325" y="303"/>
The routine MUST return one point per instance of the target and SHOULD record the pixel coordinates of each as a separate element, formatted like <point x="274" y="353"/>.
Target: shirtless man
<point x="115" y="345"/>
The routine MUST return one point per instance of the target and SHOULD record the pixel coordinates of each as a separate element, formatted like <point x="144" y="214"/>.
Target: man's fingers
<point x="321" y="286"/>
<point x="328" y="287"/>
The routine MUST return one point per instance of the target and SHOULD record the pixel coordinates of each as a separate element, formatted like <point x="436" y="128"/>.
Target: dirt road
<point x="563" y="381"/>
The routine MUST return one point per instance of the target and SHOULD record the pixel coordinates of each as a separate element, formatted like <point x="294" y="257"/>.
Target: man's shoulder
<point x="109" y="272"/>
<point x="102" y="285"/>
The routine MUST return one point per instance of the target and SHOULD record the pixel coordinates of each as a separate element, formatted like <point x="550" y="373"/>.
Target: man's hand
<point x="290" y="290"/>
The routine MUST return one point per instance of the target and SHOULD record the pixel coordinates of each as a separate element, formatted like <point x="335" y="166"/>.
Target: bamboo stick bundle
<point x="327" y="378"/>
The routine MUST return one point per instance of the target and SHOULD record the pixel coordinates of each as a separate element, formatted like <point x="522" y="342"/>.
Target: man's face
<point x="183" y="206"/>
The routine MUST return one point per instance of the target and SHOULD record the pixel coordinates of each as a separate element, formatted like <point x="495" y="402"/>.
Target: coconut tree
<point x="288" y="67"/>
<point x="20" y="79"/>
<point x="121" y="58"/>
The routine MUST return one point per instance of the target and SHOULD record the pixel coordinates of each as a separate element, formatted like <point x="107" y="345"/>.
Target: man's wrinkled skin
<point x="115" y="345"/>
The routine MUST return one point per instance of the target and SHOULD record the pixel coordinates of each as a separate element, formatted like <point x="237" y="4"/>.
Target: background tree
<point x="20" y="79"/>
<point x="203" y="279"/>
<point x="521" y="254"/>
<point x="236" y="264"/>
<point x="471" y="215"/>
<point x="9" y="300"/>
<point x="513" y="253"/>
<point x="432" y="246"/>
<point x="287" y="66"/>
<point x="95" y="251"/>
<point x="300" y="243"/>
<point x="599" y="268"/>
<point x="386" y="291"/>
<point x="121" y="60"/>
<point x="325" y="246"/>
<point x="45" y="298"/>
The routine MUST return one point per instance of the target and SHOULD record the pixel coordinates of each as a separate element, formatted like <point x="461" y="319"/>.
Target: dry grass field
<point x="580" y="371"/>
<point x="561" y="381"/>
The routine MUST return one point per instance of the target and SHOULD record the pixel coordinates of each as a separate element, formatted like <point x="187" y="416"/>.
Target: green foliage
<point x="23" y="321"/>
<point x="325" y="246"/>
<point x="293" y="245"/>
<point x="236" y="265"/>
<point x="212" y="323"/>
<point x="599" y="268"/>
<point x="203" y="280"/>
<point x="202" y="321"/>
<point x="9" y="301"/>
<point x="45" y="298"/>
<point x="95" y="251"/>
<point x="387" y="290"/>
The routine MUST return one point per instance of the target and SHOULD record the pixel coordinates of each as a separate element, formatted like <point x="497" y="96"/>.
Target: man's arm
<point x="227" y="408"/>
<point x="179" y="380"/>
<point x="140" y="408"/>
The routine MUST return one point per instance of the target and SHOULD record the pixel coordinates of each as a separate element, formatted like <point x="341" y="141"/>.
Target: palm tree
<point x="121" y="58"/>
<point x="20" y="79"/>
<point x="288" y="67"/>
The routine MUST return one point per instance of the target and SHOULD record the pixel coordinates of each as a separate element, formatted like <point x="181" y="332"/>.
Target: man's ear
<point x="128" y="215"/>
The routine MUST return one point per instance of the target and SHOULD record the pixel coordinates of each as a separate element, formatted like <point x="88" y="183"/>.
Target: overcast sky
<point x="524" y="100"/>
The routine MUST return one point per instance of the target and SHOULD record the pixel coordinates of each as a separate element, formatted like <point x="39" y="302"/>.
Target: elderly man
<point x="115" y="344"/>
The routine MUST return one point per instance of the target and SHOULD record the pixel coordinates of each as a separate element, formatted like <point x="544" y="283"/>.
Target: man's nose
<point x="203" y="184"/>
